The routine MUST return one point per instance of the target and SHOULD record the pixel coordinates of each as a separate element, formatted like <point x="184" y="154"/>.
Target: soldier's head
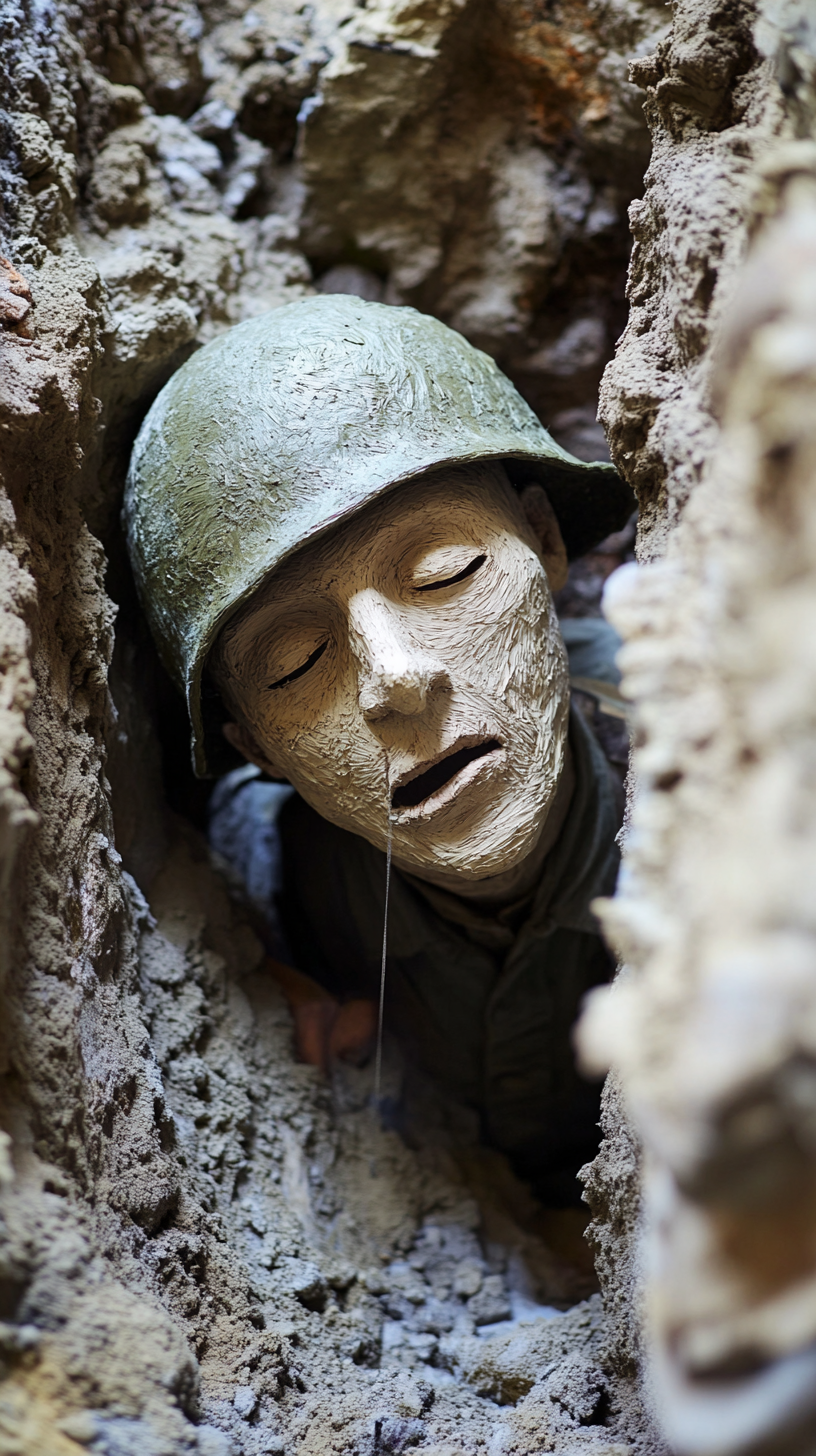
<point x="346" y="526"/>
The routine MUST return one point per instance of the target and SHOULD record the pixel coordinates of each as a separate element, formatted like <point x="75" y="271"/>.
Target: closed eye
<point x="460" y="575"/>
<point x="299" y="671"/>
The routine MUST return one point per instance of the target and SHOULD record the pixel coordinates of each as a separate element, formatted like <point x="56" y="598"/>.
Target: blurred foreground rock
<point x="711" y="404"/>
<point x="204" y="1248"/>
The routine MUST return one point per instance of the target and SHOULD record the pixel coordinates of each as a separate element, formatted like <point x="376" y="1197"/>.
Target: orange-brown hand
<point x="354" y="1032"/>
<point x="325" y="1030"/>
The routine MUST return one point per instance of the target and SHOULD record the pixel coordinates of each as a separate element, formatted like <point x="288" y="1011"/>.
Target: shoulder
<point x="592" y="645"/>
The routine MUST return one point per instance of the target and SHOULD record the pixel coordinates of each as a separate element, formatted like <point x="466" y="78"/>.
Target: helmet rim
<point x="238" y="406"/>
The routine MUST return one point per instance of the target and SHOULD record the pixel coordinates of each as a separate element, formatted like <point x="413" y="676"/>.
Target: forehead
<point x="462" y="503"/>
<point x="469" y="498"/>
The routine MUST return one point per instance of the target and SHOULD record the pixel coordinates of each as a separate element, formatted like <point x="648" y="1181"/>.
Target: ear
<point x="544" y="524"/>
<point x="243" y="741"/>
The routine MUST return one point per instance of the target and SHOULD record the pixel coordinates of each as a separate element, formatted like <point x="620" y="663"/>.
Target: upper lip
<point x="487" y="743"/>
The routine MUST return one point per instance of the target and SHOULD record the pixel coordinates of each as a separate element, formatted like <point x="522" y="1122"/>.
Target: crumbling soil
<point x="205" y="1246"/>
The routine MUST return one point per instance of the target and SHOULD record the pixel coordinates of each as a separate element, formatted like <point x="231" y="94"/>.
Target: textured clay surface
<point x="206" y="1247"/>
<point x="710" y="407"/>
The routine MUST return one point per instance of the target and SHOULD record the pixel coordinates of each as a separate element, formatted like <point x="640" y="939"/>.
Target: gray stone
<point x="467" y="1279"/>
<point x="245" y="1401"/>
<point x="492" y="1303"/>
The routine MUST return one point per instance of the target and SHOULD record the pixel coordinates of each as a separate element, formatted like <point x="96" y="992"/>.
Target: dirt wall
<point x="205" y="1247"/>
<point x="709" y="407"/>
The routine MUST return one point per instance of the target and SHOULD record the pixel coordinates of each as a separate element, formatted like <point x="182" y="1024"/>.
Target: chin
<point x="491" y="848"/>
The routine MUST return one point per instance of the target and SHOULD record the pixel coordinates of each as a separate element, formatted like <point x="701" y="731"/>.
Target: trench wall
<point x="203" y="1245"/>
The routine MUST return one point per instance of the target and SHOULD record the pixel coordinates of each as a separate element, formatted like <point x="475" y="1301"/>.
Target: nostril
<point x="438" y="681"/>
<point x="408" y="697"/>
<point x="388" y="693"/>
<point x="372" y="704"/>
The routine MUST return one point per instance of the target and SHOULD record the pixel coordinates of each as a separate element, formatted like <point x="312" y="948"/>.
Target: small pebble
<point x="81" y="1426"/>
<point x="468" y="1278"/>
<point x="245" y="1402"/>
<point x="212" y="1442"/>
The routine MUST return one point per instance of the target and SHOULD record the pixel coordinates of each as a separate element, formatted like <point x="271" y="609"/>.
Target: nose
<point x="394" y="675"/>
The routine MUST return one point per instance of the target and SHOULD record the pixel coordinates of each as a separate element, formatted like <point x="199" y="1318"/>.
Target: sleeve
<point x="591" y="645"/>
<point x="314" y="902"/>
<point x="243" y="832"/>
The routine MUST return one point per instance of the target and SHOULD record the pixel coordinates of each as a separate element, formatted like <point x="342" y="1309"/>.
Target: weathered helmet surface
<point x="285" y="425"/>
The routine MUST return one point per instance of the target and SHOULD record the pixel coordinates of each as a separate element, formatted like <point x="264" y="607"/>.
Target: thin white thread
<point x="378" y="1059"/>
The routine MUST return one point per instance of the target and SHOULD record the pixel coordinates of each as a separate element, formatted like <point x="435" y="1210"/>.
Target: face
<point x="408" y="671"/>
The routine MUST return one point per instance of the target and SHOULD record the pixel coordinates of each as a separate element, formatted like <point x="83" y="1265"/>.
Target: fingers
<point x="325" y="1032"/>
<point x="314" y="1021"/>
<point x="353" y="1033"/>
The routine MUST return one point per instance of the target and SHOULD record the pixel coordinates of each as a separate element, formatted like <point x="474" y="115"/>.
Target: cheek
<point x="328" y="754"/>
<point x="511" y="637"/>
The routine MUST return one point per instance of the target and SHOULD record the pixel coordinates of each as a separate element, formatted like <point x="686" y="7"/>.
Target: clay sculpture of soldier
<point x="346" y="527"/>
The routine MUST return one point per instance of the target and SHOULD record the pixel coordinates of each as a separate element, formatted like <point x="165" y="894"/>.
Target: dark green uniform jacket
<point x="485" y="1007"/>
<point x="484" y="1004"/>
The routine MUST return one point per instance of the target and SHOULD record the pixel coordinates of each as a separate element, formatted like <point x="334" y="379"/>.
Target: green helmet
<point x="290" y="422"/>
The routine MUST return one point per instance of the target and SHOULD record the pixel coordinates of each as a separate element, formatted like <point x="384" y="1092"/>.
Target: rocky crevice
<point x="206" y="1248"/>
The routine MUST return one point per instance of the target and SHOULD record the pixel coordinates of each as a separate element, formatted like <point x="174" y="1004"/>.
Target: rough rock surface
<point x="709" y="406"/>
<point x="715" y="105"/>
<point x="204" y="1247"/>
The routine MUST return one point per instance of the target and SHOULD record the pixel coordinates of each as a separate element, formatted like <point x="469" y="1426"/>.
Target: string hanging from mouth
<point x="381" y="1010"/>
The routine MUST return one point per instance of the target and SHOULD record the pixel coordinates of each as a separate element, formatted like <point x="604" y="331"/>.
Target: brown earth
<point x="205" y="1247"/>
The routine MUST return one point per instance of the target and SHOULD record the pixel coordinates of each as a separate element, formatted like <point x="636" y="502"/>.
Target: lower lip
<point x="452" y="789"/>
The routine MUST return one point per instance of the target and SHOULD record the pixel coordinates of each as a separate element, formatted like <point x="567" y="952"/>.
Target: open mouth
<point x="418" y="789"/>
